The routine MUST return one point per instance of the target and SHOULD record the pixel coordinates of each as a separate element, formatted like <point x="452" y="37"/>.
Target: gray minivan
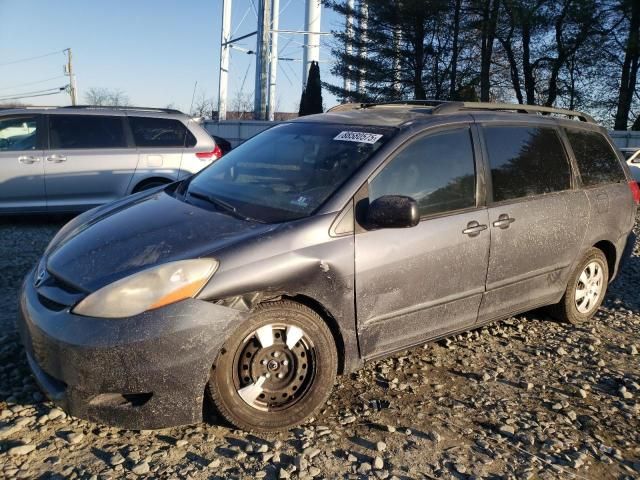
<point x="317" y="245"/>
<point x="69" y="159"/>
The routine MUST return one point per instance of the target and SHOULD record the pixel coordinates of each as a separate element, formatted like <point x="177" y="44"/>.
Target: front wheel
<point x="276" y="370"/>
<point x="586" y="289"/>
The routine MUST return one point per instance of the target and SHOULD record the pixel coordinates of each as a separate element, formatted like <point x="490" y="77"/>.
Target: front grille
<point x="56" y="294"/>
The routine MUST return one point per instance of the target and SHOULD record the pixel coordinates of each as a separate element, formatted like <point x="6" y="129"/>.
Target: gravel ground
<point x="523" y="398"/>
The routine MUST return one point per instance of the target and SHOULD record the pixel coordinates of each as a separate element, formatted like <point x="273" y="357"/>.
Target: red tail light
<point x="214" y="154"/>
<point x="635" y="190"/>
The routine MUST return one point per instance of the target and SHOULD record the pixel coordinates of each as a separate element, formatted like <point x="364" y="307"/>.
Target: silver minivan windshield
<point x="288" y="171"/>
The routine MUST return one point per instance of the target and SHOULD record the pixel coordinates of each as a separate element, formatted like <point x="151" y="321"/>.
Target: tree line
<point x="577" y="54"/>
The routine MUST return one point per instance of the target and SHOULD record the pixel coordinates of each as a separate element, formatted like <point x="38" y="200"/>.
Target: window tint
<point x="158" y="132"/>
<point x="85" y="131"/>
<point x="289" y="170"/>
<point x="191" y="140"/>
<point x="18" y="133"/>
<point x="526" y="161"/>
<point x="597" y="161"/>
<point x="438" y="171"/>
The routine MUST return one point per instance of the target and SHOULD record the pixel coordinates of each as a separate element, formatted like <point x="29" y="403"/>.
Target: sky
<point x="152" y="50"/>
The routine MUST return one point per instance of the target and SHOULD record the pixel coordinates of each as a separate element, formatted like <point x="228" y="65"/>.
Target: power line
<point x="32" y="83"/>
<point x="32" y="92"/>
<point x="60" y="90"/>
<point x="28" y="59"/>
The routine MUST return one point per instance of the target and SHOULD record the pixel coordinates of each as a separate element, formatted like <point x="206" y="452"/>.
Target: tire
<point x="245" y="383"/>
<point x="578" y="311"/>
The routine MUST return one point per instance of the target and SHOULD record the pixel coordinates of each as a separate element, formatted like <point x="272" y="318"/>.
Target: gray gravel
<point x="523" y="398"/>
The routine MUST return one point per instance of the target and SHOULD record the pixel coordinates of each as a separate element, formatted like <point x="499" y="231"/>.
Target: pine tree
<point x="311" y="100"/>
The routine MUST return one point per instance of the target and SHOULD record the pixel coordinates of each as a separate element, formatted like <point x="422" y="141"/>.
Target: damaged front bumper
<point x="144" y="372"/>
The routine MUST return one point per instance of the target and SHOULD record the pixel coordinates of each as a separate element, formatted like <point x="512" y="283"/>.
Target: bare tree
<point x="629" y="72"/>
<point x="106" y="97"/>
<point x="242" y="105"/>
<point x="203" y="106"/>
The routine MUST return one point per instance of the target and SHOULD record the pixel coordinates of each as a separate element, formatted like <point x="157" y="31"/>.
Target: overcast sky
<point x="153" y="50"/>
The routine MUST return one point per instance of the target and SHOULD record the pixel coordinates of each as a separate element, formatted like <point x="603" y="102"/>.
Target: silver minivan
<point x="75" y="158"/>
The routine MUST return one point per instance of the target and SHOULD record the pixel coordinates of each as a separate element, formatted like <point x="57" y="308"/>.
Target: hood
<point x="142" y="232"/>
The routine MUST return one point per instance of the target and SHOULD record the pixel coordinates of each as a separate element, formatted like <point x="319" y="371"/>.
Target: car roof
<point x="98" y="110"/>
<point x="404" y="113"/>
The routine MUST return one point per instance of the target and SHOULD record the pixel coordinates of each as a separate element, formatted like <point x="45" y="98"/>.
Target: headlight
<point x="149" y="289"/>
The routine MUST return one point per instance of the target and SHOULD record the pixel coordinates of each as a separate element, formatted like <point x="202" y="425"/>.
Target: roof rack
<point x="106" y="107"/>
<point x="445" y="107"/>
<point x="514" y="107"/>
<point x="28" y="107"/>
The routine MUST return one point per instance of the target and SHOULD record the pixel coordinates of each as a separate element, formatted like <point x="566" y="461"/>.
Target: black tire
<point x="242" y="359"/>
<point x="567" y="310"/>
<point x="148" y="185"/>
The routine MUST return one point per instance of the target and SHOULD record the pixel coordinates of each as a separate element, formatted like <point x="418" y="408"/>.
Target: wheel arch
<point x="329" y="320"/>
<point x="145" y="181"/>
<point x="346" y="360"/>
<point x="610" y="253"/>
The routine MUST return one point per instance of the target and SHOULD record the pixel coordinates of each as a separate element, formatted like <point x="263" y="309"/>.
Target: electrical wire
<point x="60" y="90"/>
<point x="32" y="83"/>
<point x="32" y="92"/>
<point x="233" y="35"/>
<point x="255" y="10"/>
<point x="28" y="59"/>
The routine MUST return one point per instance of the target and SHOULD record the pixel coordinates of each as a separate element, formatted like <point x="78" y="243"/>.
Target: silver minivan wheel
<point x="589" y="287"/>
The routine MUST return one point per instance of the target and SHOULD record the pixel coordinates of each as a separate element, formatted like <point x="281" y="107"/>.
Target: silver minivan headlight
<point x="149" y="289"/>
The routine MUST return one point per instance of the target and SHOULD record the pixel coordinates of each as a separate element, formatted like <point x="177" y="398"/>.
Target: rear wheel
<point x="276" y="370"/>
<point x="586" y="289"/>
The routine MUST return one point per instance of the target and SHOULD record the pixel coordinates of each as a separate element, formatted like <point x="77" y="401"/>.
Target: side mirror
<point x="393" y="211"/>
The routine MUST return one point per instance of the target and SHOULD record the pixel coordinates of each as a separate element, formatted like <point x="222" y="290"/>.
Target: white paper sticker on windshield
<point x="359" y="137"/>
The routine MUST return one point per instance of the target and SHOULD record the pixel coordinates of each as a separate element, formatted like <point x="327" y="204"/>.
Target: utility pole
<point x="225" y="48"/>
<point x="311" y="51"/>
<point x="273" y="59"/>
<point x="73" y="92"/>
<point x="351" y="5"/>
<point x="262" y="60"/>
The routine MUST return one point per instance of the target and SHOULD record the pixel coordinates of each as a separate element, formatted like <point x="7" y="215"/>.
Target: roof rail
<point x="344" y="106"/>
<point x="446" y="108"/>
<point x="425" y="103"/>
<point x="106" y="107"/>
<point x="28" y="107"/>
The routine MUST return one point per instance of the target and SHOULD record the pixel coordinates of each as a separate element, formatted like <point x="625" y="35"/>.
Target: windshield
<point x="288" y="171"/>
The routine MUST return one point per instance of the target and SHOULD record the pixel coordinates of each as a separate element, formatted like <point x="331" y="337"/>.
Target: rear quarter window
<point x="526" y="161"/>
<point x="597" y="161"/>
<point x="158" y="132"/>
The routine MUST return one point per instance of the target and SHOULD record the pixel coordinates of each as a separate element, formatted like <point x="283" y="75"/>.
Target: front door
<point x="537" y="219"/>
<point x="21" y="168"/>
<point x="89" y="161"/>
<point x="417" y="283"/>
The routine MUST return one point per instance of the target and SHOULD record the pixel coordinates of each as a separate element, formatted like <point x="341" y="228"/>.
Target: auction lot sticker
<point x="359" y="137"/>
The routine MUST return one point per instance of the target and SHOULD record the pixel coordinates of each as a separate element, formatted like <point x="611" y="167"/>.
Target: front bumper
<point x="144" y="372"/>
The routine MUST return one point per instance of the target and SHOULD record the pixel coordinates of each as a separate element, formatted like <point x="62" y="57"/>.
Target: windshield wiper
<point x="222" y="205"/>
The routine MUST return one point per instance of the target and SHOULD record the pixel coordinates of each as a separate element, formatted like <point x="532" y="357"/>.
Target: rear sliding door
<point x="89" y="161"/>
<point x="537" y="218"/>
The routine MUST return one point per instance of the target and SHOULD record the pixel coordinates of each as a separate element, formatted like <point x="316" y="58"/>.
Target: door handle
<point x="504" y="220"/>
<point x="474" y="228"/>
<point x="57" y="159"/>
<point x="28" y="160"/>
